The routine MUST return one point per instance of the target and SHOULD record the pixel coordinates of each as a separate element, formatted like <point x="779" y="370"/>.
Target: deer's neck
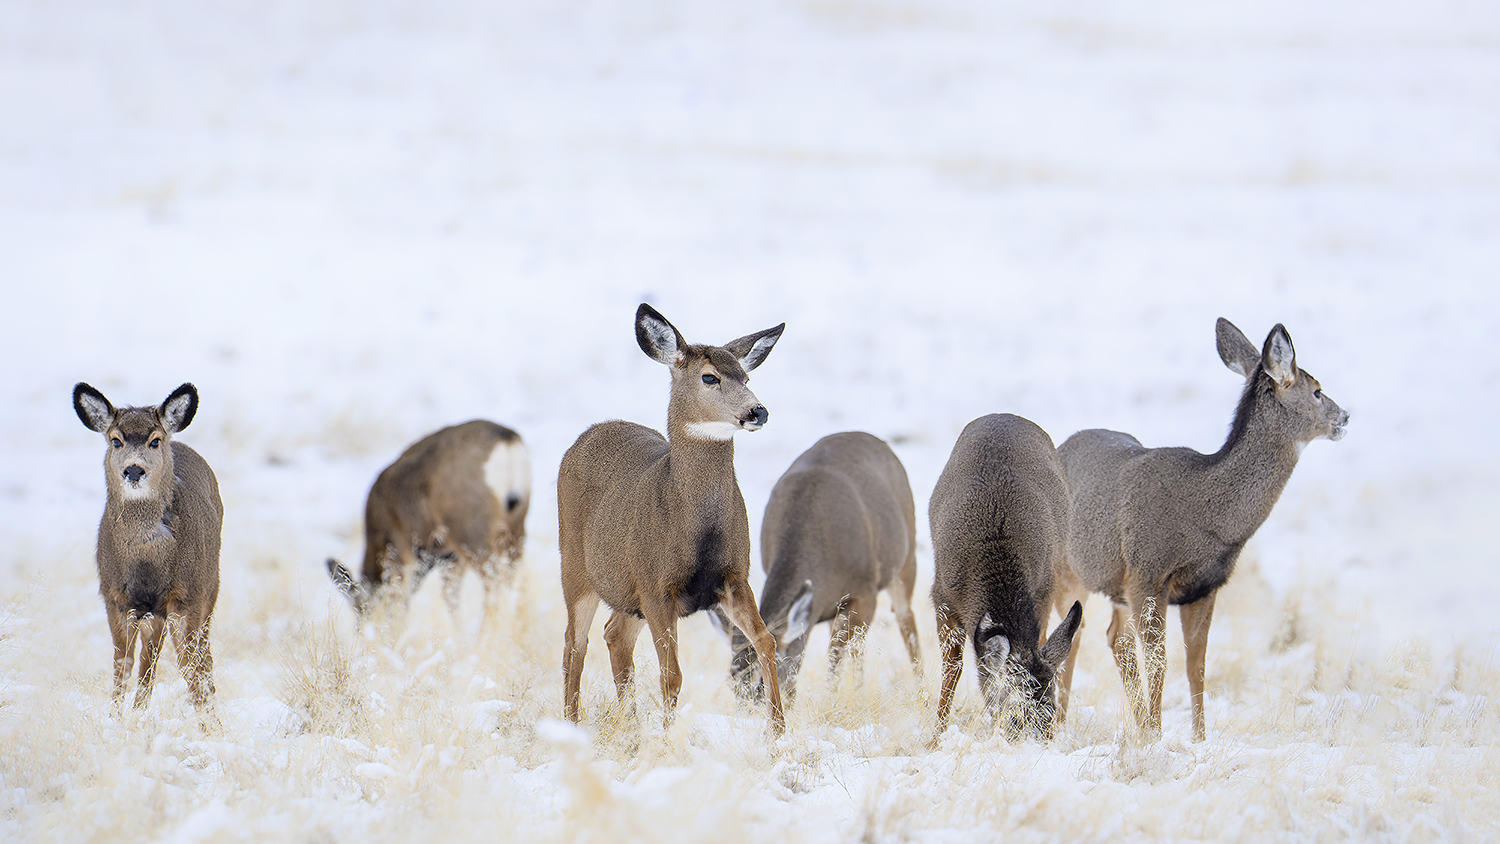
<point x="701" y="469"/>
<point x="141" y="520"/>
<point x="1246" y="476"/>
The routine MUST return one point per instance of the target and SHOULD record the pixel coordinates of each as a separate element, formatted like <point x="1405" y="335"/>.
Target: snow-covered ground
<point x="350" y="223"/>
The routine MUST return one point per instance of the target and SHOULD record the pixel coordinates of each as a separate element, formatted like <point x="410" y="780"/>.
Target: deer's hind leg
<point x="581" y="609"/>
<point x="951" y="638"/>
<point x="1122" y="643"/>
<point x="906" y="621"/>
<point x="1150" y="625"/>
<point x="620" y="634"/>
<point x="850" y="628"/>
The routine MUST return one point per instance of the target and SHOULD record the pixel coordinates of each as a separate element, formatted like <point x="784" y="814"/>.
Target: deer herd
<point x="655" y="528"/>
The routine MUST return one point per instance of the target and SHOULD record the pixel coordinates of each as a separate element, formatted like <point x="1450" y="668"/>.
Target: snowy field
<point x="351" y="223"/>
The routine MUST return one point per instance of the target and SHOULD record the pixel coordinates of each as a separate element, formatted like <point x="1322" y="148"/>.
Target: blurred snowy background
<point x="351" y="223"/>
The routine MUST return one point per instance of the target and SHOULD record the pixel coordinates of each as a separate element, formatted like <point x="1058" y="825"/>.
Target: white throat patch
<point x="717" y="431"/>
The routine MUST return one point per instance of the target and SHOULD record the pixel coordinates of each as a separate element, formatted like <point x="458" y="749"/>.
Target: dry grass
<point x="418" y="724"/>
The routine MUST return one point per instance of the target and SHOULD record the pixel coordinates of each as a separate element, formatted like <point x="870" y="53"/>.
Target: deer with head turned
<point x="839" y="527"/>
<point x="999" y="517"/>
<point x="1159" y="526"/>
<point x="158" y="551"/>
<point x="458" y="498"/>
<point x="655" y="526"/>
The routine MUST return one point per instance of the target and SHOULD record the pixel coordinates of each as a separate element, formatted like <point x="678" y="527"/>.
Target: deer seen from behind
<point x="999" y="519"/>
<point x="655" y="526"/>
<point x="158" y="549"/>
<point x="839" y="527"/>
<point x="1159" y="526"/>
<point x="456" y="498"/>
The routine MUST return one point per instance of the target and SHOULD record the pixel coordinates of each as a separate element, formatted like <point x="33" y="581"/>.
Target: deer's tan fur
<point x="458" y="497"/>
<point x="158" y="551"/>
<point x="655" y="526"/>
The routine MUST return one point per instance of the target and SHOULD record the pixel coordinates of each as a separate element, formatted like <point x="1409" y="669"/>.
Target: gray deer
<point x="458" y="497"/>
<point x="655" y="526"/>
<point x="839" y="527"/>
<point x="158" y="551"/>
<point x="1159" y="526"/>
<point x="999" y="518"/>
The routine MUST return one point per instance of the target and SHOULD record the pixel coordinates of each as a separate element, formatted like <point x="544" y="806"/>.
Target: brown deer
<point x="158" y="551"/>
<point x="655" y="526"/>
<point x="999" y="517"/>
<point x="457" y="497"/>
<point x="1159" y="526"/>
<point x="839" y="527"/>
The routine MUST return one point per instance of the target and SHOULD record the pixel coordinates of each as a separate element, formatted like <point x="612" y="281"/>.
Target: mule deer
<point x="1159" y="526"/>
<point x="457" y="497"/>
<point x="655" y="526"/>
<point x="158" y="551"/>
<point x="839" y="527"/>
<point x="999" y="517"/>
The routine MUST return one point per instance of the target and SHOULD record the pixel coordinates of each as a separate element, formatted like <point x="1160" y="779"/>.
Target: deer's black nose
<point x="758" y="415"/>
<point x="134" y="474"/>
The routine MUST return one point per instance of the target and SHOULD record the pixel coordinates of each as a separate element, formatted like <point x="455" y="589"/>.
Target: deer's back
<point x="841" y="516"/>
<point x="1145" y="513"/>
<point x="438" y="487"/>
<point x="999" y="517"/>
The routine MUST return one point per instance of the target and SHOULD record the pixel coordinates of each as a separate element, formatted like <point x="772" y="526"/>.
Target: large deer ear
<point x="1060" y="643"/>
<point x="93" y="409"/>
<point x="178" y="410"/>
<point x="799" y="616"/>
<point x="659" y="339"/>
<point x="752" y="349"/>
<point x="357" y="593"/>
<point x="1235" y="349"/>
<point x="1279" y="356"/>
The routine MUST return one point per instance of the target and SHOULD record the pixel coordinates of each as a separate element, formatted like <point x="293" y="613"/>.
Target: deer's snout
<point x="756" y="418"/>
<point x="134" y="474"/>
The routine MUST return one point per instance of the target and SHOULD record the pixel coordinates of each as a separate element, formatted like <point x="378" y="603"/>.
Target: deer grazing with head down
<point x="999" y="517"/>
<point x="158" y="551"/>
<point x="655" y="526"/>
<point x="1159" y="526"/>
<point x="839" y="527"/>
<point x="458" y="498"/>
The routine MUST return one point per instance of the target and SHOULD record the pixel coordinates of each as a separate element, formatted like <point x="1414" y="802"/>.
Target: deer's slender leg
<point x="738" y="602"/>
<point x="1196" y="619"/>
<point x="951" y="639"/>
<point x="575" y="646"/>
<point x="906" y="621"/>
<point x="620" y="634"/>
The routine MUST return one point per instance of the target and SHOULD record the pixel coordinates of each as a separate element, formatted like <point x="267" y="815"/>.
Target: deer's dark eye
<point x="710" y="379"/>
<point x="156" y="443"/>
<point x="115" y="441"/>
<point x="1317" y="394"/>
